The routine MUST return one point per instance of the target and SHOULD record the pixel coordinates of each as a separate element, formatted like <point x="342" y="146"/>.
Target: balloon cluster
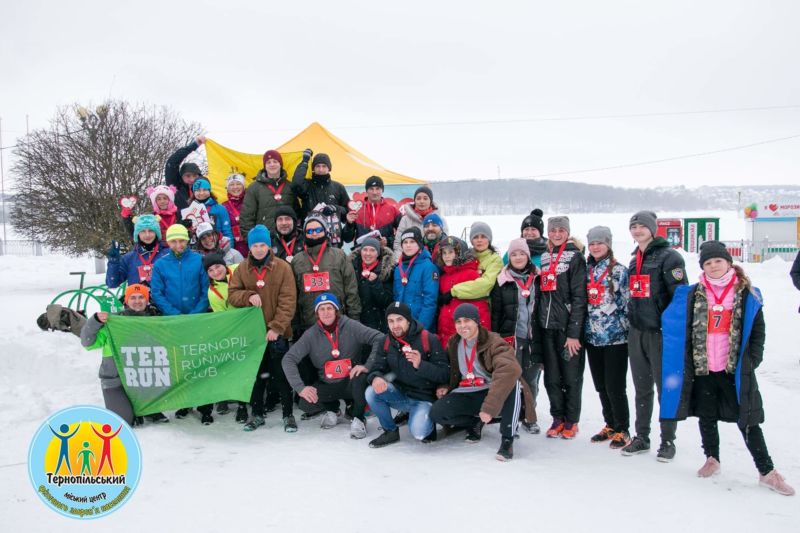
<point x="751" y="211"/>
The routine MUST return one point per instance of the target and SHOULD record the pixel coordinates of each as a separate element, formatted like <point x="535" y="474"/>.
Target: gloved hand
<point x="445" y="298"/>
<point x="187" y="223"/>
<point x="307" y="153"/>
<point x="113" y="250"/>
<point x="126" y="212"/>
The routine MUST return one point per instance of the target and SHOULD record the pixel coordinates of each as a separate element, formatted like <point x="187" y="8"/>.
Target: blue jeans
<point x="419" y="423"/>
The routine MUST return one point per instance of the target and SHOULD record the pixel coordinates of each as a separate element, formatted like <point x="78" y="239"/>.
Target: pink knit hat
<point x="519" y="245"/>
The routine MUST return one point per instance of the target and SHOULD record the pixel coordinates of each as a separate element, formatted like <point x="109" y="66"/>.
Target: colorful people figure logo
<point x="85" y="468"/>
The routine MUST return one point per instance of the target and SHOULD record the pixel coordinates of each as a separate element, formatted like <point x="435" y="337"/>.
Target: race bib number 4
<point x="640" y="286"/>
<point x="316" y="282"/>
<point x="338" y="368"/>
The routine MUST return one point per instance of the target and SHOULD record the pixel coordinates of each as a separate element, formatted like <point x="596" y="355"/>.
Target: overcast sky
<point x="255" y="73"/>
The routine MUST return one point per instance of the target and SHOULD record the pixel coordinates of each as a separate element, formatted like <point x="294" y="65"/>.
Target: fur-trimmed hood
<point x="386" y="259"/>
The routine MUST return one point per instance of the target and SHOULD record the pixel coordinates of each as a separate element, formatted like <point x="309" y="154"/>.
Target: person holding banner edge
<point x="265" y="281"/>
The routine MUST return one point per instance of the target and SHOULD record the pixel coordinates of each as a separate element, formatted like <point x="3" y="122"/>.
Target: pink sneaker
<point x="774" y="481"/>
<point x="711" y="468"/>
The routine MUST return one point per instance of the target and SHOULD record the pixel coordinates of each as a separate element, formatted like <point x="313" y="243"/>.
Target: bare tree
<point x="70" y="177"/>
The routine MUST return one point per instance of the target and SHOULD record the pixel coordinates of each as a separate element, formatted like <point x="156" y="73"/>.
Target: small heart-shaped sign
<point x="128" y="201"/>
<point x="773" y="207"/>
<point x="354" y="205"/>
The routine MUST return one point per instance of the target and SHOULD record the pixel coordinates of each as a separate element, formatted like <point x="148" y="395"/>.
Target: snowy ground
<point x="219" y="478"/>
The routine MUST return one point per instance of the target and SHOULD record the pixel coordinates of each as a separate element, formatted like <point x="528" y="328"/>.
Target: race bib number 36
<point x="316" y="282"/>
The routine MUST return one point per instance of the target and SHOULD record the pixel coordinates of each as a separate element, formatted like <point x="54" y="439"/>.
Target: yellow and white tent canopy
<point x="350" y="167"/>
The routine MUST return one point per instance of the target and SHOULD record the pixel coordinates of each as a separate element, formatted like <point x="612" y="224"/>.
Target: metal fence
<point x="760" y="251"/>
<point x="24" y="248"/>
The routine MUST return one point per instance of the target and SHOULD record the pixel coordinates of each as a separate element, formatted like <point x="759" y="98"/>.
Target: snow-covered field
<point x="219" y="478"/>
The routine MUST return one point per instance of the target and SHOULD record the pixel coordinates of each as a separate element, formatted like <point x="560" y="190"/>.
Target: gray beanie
<point x="601" y="234"/>
<point x="372" y="242"/>
<point x="645" y="218"/>
<point x="558" y="222"/>
<point x="480" y="228"/>
<point x="467" y="310"/>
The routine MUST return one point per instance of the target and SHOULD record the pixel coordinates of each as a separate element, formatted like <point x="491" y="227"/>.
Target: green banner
<point x="166" y="363"/>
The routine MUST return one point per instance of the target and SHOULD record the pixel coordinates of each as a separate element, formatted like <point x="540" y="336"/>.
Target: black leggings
<point x="609" y="367"/>
<point x="461" y="409"/>
<point x="563" y="376"/>
<point x="270" y="373"/>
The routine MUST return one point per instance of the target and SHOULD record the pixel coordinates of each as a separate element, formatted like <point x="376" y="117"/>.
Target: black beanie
<point x="427" y="190"/>
<point x="534" y="220"/>
<point x="412" y="233"/>
<point x="374" y="181"/>
<point x="467" y="310"/>
<point x="712" y="250"/>
<point x="399" y="308"/>
<point x="321" y="158"/>
<point x="213" y="259"/>
<point x="189" y="167"/>
<point x="285" y="211"/>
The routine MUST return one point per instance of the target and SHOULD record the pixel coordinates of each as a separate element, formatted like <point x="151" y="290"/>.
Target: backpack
<point x="426" y="342"/>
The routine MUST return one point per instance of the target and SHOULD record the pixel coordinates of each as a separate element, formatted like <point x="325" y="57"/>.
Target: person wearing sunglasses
<point x="320" y="267"/>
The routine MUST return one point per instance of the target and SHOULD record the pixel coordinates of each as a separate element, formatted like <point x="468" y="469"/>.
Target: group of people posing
<point x="419" y="327"/>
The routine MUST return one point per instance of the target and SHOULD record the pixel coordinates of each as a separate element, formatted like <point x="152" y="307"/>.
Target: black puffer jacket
<point x="375" y="295"/>
<point x="565" y="307"/>
<point x="319" y="190"/>
<point x="278" y="246"/>
<point x="418" y="383"/>
<point x="667" y="271"/>
<point x="505" y="306"/>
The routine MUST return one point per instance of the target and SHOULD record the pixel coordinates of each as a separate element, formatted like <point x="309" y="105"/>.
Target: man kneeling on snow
<point x="334" y="345"/>
<point x="404" y="376"/>
<point x="95" y="335"/>
<point x="484" y="382"/>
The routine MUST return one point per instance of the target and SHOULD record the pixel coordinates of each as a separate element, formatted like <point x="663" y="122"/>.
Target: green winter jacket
<point x="259" y="204"/>
<point x="343" y="283"/>
<point x="490" y="264"/>
<point x="219" y="302"/>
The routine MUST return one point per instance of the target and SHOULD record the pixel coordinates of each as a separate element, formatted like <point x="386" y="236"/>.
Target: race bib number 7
<point x="316" y="282"/>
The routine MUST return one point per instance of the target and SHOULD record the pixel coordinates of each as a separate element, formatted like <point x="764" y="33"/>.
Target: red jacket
<point x="234" y="207"/>
<point x="383" y="218"/>
<point x="449" y="277"/>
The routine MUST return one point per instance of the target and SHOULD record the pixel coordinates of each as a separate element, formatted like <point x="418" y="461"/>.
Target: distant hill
<point x="496" y="197"/>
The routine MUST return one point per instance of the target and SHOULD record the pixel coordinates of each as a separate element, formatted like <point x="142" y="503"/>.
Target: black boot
<point x="401" y="419"/>
<point x="158" y="417"/>
<point x="181" y="413"/>
<point x="431" y="437"/>
<point x="241" y="414"/>
<point x="506" y="451"/>
<point x="206" y="419"/>
<point x="386" y="438"/>
<point x="474" y="432"/>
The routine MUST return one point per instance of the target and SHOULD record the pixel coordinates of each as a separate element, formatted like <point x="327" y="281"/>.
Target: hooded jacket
<point x="498" y="358"/>
<point x="421" y="292"/>
<point x="607" y="323"/>
<point x="667" y="272"/>
<point x="219" y="217"/>
<point x="410" y="218"/>
<point x="490" y="265"/>
<point x="678" y="366"/>
<point x="180" y="284"/>
<point x="417" y="383"/>
<point x="463" y="270"/>
<point x="565" y="307"/>
<point x="319" y="190"/>
<point x="375" y="295"/>
<point x="260" y="204"/>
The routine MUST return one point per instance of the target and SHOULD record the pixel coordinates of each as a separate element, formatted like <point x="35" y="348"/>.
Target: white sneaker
<point x="357" y="429"/>
<point x="329" y="420"/>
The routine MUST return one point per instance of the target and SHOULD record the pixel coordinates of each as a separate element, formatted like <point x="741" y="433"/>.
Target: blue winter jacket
<point x="126" y="268"/>
<point x="422" y="290"/>
<point x="219" y="217"/>
<point x="180" y="285"/>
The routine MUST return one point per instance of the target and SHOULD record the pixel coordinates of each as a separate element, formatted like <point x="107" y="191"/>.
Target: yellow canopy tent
<point x="351" y="168"/>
